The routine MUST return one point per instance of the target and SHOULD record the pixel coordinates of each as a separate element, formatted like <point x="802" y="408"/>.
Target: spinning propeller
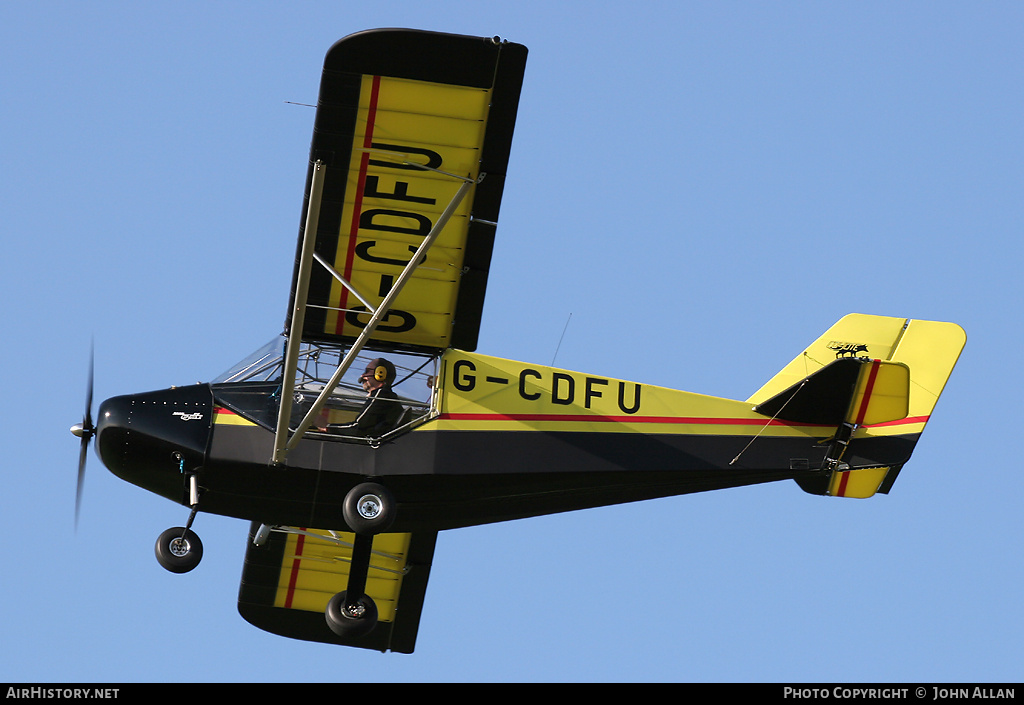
<point x="85" y="430"/>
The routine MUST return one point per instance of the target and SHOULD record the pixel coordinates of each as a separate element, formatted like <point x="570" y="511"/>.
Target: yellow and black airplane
<point x="372" y="424"/>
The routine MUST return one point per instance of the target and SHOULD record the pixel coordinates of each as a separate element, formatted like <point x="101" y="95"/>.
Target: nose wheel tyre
<point x="369" y="508"/>
<point x="351" y="620"/>
<point x="179" y="550"/>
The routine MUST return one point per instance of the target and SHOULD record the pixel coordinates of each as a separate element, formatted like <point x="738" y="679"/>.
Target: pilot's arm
<point x="376" y="418"/>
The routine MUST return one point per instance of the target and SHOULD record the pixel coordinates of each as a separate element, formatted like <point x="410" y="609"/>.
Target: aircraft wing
<point x="287" y="582"/>
<point x="404" y="119"/>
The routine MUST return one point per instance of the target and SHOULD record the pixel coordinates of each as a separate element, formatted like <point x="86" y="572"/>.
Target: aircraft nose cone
<point x="112" y="432"/>
<point x="152" y="439"/>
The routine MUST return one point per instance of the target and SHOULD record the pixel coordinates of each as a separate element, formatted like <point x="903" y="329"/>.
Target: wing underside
<point x="287" y="582"/>
<point x="404" y="119"/>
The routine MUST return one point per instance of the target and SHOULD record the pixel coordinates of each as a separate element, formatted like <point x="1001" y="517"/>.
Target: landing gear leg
<point x="369" y="509"/>
<point x="179" y="549"/>
<point x="353" y="613"/>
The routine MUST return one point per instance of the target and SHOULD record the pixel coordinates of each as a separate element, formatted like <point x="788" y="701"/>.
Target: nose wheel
<point x="179" y="550"/>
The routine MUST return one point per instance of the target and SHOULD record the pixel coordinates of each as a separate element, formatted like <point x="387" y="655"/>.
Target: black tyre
<point x="351" y="621"/>
<point x="179" y="550"/>
<point x="369" y="509"/>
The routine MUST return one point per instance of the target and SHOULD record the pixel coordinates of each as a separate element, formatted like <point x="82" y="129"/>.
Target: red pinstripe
<point x="294" y="577"/>
<point x="357" y="205"/>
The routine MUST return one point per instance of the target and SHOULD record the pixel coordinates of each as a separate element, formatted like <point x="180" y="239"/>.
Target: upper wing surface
<point x="404" y="118"/>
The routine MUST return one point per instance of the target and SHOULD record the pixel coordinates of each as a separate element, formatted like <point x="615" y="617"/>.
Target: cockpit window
<point x="252" y="388"/>
<point x="262" y="365"/>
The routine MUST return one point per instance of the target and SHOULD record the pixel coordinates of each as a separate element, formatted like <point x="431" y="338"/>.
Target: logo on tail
<point x="848" y="349"/>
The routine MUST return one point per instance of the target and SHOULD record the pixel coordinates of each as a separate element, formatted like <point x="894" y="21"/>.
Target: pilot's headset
<point x="381" y="370"/>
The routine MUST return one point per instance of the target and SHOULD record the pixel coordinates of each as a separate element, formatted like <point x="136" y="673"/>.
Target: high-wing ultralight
<point x="371" y="424"/>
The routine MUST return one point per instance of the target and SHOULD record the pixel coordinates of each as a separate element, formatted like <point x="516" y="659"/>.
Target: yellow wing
<point x="287" y="582"/>
<point x="404" y="119"/>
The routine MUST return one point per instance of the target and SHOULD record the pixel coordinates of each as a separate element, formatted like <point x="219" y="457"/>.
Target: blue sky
<point x="705" y="187"/>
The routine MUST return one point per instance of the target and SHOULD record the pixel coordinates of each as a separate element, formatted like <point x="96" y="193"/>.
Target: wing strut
<point x="281" y="445"/>
<point x="344" y="282"/>
<point x="291" y="355"/>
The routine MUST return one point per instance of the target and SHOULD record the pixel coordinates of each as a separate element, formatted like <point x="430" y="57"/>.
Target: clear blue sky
<point x="704" y="186"/>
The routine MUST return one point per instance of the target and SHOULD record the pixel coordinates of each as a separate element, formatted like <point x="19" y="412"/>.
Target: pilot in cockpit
<point x="381" y="411"/>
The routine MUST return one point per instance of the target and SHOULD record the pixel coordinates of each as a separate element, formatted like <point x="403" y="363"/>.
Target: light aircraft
<point x="411" y="142"/>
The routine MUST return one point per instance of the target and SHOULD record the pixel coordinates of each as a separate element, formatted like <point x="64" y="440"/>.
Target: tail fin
<point x="871" y="376"/>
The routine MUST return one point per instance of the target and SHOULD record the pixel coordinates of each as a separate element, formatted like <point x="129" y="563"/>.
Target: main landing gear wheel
<point x="369" y="508"/>
<point x="179" y="550"/>
<point x="353" y="620"/>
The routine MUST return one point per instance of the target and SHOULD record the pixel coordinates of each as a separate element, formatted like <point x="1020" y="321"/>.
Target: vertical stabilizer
<point x="874" y="398"/>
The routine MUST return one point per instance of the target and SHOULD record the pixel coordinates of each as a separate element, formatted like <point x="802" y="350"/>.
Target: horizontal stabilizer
<point x="853" y="390"/>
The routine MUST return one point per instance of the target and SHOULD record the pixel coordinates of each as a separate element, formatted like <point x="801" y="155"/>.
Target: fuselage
<point x="502" y="440"/>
